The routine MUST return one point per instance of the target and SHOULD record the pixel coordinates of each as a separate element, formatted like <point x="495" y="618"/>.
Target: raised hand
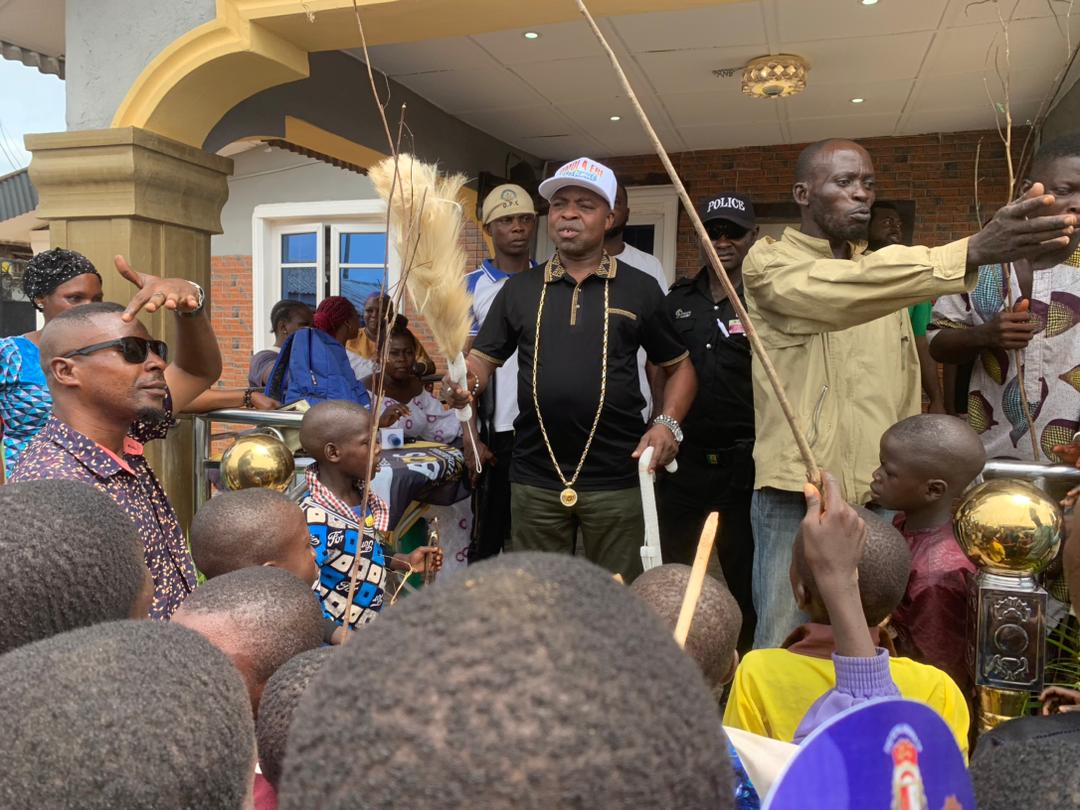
<point x="834" y="538"/>
<point x="1021" y="228"/>
<point x="177" y="294"/>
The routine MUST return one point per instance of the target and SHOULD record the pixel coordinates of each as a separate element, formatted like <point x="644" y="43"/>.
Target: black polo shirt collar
<point x="554" y="270"/>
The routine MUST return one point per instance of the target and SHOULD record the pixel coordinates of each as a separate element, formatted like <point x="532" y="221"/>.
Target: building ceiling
<point x="920" y="66"/>
<point x="36" y="25"/>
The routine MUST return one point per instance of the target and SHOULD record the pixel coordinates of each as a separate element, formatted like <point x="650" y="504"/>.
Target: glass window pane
<point x="298" y="247"/>
<point x="643" y="237"/>
<point x="298" y="284"/>
<point x="357" y="283"/>
<point x="363" y="248"/>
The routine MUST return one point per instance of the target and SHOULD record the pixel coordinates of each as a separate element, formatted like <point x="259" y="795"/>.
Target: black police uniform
<point x="716" y="461"/>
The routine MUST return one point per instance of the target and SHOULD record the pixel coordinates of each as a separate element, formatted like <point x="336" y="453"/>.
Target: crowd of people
<point x="278" y="643"/>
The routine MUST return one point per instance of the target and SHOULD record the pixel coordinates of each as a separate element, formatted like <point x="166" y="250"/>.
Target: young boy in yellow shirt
<point x="775" y="689"/>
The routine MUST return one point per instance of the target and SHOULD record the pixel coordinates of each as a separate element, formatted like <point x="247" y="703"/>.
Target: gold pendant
<point x="568" y="497"/>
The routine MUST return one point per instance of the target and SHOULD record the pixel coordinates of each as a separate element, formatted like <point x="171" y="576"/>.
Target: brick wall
<point x="937" y="172"/>
<point x="231" y="314"/>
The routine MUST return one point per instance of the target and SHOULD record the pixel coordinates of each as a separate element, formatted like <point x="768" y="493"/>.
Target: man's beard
<point x="616" y="230"/>
<point x="838" y="226"/>
<point x="153" y="417"/>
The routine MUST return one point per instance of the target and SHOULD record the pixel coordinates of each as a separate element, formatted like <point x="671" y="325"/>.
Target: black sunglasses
<point x="727" y="229"/>
<point x="134" y="349"/>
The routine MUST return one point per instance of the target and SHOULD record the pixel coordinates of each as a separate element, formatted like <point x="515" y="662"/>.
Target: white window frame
<point x="658" y="206"/>
<point x="335" y="250"/>
<point x="270" y="220"/>
<point x="649" y="205"/>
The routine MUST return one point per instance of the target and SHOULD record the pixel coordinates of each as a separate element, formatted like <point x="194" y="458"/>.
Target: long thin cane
<point x="812" y="472"/>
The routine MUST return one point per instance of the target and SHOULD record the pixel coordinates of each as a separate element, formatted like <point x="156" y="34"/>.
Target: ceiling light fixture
<point x="858" y="100"/>
<point x="869" y="2"/>
<point x="531" y="35"/>
<point x="615" y="118"/>
<point x="776" y="76"/>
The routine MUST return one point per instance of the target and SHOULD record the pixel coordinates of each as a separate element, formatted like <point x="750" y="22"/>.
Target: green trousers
<point x="611" y="525"/>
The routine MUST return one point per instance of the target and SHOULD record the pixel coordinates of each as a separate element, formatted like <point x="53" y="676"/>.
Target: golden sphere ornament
<point x="1010" y="527"/>
<point x="258" y="460"/>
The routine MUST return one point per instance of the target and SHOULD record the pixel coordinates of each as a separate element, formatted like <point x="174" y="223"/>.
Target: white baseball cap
<point x="584" y="172"/>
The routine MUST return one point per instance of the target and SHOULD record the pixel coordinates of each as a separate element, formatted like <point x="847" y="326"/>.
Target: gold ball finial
<point x="1009" y="527"/>
<point x="258" y="460"/>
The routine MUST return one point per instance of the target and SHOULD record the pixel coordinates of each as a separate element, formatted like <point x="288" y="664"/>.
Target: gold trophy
<point x="1011" y="530"/>
<point x="258" y="460"/>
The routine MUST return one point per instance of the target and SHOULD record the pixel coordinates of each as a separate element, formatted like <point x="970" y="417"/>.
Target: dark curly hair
<point x="131" y="714"/>
<point x="69" y="557"/>
<point x="526" y="681"/>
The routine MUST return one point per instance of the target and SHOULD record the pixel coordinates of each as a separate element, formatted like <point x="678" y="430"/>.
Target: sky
<point x="29" y="102"/>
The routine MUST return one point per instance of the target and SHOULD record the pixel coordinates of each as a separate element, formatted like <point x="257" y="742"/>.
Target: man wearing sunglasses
<point x="716" y="458"/>
<point x="113" y="389"/>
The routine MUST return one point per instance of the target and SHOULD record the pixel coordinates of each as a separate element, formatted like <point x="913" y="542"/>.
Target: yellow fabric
<point x="839" y="334"/>
<point x="774" y="689"/>
<point x="366" y="347"/>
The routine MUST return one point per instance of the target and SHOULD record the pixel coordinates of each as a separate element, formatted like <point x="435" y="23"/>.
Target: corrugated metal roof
<point x="17" y="195"/>
<point x="49" y="65"/>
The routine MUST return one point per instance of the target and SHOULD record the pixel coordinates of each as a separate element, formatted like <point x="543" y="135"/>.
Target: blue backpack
<point x="313" y="366"/>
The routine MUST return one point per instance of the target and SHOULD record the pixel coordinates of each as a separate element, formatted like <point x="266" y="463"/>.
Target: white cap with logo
<point x="586" y="173"/>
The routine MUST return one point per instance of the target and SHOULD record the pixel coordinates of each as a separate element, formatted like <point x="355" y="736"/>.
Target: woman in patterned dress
<point x="410" y="406"/>
<point x="55" y="280"/>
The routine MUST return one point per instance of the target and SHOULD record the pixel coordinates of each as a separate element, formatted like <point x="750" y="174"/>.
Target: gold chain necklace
<point x="568" y="496"/>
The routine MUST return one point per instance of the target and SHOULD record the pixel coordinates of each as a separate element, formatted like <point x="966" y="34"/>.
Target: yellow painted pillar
<point x="154" y="200"/>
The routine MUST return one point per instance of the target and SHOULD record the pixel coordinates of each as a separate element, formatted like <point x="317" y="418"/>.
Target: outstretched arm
<point x="196" y="364"/>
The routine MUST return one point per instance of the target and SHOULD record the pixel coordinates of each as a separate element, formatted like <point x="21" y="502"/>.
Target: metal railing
<point x="267" y="421"/>
<point x="203" y="438"/>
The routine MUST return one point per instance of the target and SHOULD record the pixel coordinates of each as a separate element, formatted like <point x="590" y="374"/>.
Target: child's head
<point x="338" y="434"/>
<point x="252" y="527"/>
<point x="883" y="573"/>
<point x="1038" y="773"/>
<point x="124" y="714"/>
<point x="528" y="681"/>
<point x="69" y="557"/>
<point x="714" y="630"/>
<point x="260" y="617"/>
<point x="925" y="459"/>
<point x="401" y="357"/>
<point x="283" y="691"/>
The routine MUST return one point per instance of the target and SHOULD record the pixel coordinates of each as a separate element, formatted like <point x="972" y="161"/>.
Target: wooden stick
<point x="697" y="578"/>
<point x="812" y="472"/>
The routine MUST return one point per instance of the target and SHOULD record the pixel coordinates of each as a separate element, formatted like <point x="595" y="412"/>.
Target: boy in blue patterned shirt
<point x="337" y="434"/>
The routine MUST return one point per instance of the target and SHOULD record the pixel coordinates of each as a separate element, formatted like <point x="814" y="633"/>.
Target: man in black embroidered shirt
<point x="578" y="439"/>
<point x="716" y="460"/>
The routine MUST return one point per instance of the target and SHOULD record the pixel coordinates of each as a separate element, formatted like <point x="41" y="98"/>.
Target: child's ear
<point x="802" y="595"/>
<point x="330" y="451"/>
<point x="731" y="671"/>
<point x="936" y="489"/>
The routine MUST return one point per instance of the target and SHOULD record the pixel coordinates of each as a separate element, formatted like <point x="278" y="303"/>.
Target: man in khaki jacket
<point x="835" y="323"/>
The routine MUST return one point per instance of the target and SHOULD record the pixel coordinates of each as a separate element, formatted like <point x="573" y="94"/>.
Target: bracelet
<point x="201" y="295"/>
<point x="671" y="424"/>
<point x="476" y="385"/>
<point x="249" y="400"/>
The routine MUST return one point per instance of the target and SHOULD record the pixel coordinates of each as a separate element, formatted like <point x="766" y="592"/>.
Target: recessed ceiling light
<point x="869" y="2"/>
<point x="858" y="100"/>
<point x="615" y="118"/>
<point x="531" y="35"/>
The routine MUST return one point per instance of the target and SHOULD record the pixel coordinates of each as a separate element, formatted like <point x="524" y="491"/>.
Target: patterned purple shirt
<point x="60" y="451"/>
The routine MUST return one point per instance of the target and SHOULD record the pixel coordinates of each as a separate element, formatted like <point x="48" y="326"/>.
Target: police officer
<point x="716" y="464"/>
